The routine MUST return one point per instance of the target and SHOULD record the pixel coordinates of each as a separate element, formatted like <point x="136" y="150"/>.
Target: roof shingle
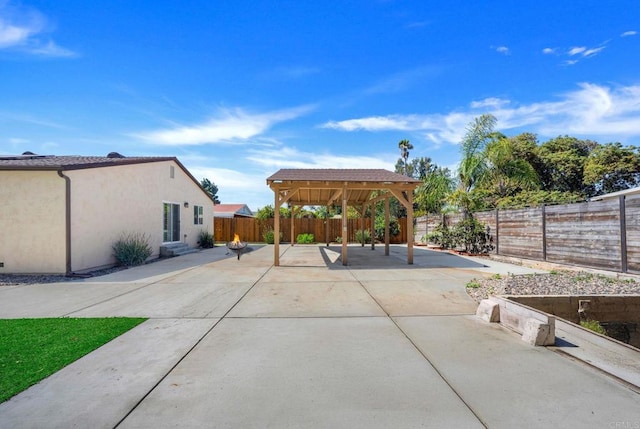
<point x="340" y="175"/>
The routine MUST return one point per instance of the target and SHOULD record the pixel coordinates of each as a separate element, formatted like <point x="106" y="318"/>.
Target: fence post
<point x="623" y="234"/>
<point x="544" y="232"/>
<point x="497" y="233"/>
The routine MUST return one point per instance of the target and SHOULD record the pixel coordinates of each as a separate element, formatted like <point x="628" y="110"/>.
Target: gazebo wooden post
<point x="372" y="229"/>
<point x="386" y="226"/>
<point x="276" y="230"/>
<point x="362" y="225"/>
<point x="410" y="237"/>
<point x="326" y="226"/>
<point x="345" y="233"/>
<point x="292" y="229"/>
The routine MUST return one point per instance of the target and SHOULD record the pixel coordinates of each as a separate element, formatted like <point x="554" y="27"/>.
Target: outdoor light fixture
<point x="186" y="204"/>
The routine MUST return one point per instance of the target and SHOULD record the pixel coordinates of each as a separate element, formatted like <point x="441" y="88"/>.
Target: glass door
<point x="170" y="222"/>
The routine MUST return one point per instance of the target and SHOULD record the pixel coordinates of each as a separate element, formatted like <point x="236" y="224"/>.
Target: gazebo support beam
<point x="345" y="232"/>
<point x="386" y="226"/>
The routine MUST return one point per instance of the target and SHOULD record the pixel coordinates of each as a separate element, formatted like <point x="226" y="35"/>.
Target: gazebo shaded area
<point x="357" y="188"/>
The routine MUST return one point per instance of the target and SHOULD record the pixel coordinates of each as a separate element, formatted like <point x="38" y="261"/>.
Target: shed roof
<point x="325" y="186"/>
<point x="229" y="210"/>
<point x="71" y="162"/>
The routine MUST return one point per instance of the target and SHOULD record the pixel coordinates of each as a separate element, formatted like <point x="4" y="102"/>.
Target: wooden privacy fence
<point x="252" y="229"/>
<point x="597" y="234"/>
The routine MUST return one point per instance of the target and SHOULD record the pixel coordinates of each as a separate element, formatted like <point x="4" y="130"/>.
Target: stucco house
<point x="232" y="210"/>
<point x="62" y="214"/>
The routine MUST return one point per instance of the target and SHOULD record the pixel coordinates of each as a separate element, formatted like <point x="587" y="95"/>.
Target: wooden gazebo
<point x="350" y="187"/>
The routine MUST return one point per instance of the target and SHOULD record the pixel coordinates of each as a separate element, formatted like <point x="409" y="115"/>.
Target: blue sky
<point x="239" y="89"/>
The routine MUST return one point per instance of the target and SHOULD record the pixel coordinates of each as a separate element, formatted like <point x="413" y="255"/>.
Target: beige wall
<point x="107" y="201"/>
<point x="32" y="221"/>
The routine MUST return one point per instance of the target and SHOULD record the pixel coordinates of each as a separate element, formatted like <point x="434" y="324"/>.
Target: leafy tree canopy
<point x="211" y="189"/>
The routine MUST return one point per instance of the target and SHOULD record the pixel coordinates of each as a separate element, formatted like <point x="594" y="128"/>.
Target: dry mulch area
<point x="554" y="283"/>
<point x="28" y="279"/>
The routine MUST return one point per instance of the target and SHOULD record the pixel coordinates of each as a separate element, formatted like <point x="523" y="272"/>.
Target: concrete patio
<point x="311" y="343"/>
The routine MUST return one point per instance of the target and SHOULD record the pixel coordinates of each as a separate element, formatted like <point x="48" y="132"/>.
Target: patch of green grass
<point x="593" y="325"/>
<point x="474" y="284"/>
<point x="33" y="349"/>
<point x="583" y="277"/>
<point x="496" y="277"/>
<point x="554" y="272"/>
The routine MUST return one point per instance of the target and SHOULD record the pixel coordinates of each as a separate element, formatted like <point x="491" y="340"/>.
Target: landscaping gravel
<point x="28" y="279"/>
<point x="554" y="283"/>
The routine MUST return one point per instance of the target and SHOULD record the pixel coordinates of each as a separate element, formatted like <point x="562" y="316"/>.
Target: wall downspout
<point x="67" y="221"/>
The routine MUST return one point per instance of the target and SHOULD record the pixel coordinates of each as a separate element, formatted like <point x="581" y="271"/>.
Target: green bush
<point x="470" y="234"/>
<point x="132" y="249"/>
<point x="367" y="236"/>
<point x="394" y="227"/>
<point x="269" y="236"/>
<point x="443" y="236"/>
<point x="593" y="325"/>
<point x="338" y="240"/>
<point x="305" y="239"/>
<point x="474" y="236"/>
<point x="205" y="239"/>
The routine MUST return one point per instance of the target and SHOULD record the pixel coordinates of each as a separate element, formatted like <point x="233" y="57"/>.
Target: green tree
<point x="266" y="212"/>
<point x="431" y="195"/>
<point x="612" y="167"/>
<point x="211" y="189"/>
<point x="563" y="160"/>
<point x="473" y="164"/>
<point x="405" y="146"/>
<point x="506" y="174"/>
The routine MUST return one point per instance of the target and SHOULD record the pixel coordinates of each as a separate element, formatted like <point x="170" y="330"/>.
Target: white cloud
<point x="576" y="50"/>
<point x="489" y="102"/>
<point x="401" y="81"/>
<point x="503" y="50"/>
<point x="50" y="49"/>
<point x="23" y="29"/>
<point x="592" y="51"/>
<point x="12" y="35"/>
<point x="229" y="126"/>
<point x="285" y="157"/>
<point x="629" y="33"/>
<point x="549" y="51"/>
<point x="592" y="109"/>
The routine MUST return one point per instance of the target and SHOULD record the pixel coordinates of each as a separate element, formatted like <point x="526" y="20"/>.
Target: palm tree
<point x="405" y="146"/>
<point x="473" y="165"/>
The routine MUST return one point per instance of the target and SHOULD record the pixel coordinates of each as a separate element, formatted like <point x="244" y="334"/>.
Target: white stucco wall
<point x="109" y="201"/>
<point x="32" y="221"/>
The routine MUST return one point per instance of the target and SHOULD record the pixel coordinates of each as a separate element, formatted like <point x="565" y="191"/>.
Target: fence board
<point x="252" y="229"/>
<point x="585" y="234"/>
<point x="632" y="211"/>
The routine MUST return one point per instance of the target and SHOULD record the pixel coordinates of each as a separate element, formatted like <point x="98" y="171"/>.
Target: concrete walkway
<point x="311" y="343"/>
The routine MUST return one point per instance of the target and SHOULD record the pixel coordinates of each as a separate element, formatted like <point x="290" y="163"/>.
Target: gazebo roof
<point x="324" y="186"/>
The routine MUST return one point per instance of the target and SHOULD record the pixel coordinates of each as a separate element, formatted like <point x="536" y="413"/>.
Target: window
<point x="172" y="173"/>
<point x="198" y="215"/>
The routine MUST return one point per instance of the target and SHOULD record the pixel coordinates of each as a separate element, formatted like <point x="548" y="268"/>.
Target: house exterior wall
<point x="32" y="221"/>
<point x="109" y="201"/>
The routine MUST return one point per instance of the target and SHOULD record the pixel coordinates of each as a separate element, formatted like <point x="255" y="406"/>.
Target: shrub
<point x="132" y="249"/>
<point x="205" y="239"/>
<point x="474" y="236"/>
<point x="443" y="236"/>
<point x="593" y="325"/>
<point x="367" y="236"/>
<point x="338" y="240"/>
<point x="305" y="239"/>
<point x="394" y="227"/>
<point x="470" y="234"/>
<point x="269" y="236"/>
